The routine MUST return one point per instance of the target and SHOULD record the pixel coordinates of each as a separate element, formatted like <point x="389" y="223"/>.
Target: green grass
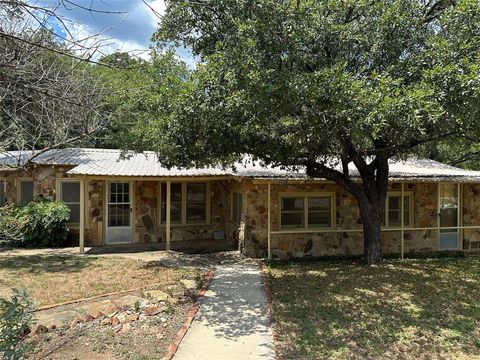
<point x="425" y="309"/>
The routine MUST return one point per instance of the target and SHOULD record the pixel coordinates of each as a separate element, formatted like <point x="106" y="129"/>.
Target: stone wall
<point x="471" y="216"/>
<point x="95" y="221"/>
<point x="44" y="181"/>
<point x="347" y="218"/>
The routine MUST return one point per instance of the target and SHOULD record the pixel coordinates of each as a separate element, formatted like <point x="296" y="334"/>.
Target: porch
<point x="184" y="214"/>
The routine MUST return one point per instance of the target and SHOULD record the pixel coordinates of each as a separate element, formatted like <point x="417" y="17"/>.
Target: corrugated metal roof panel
<point x="107" y="162"/>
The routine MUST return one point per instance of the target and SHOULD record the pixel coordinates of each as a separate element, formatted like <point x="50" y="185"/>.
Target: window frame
<point x="19" y="188"/>
<point x="184" y="221"/>
<point x="406" y="194"/>
<point x="306" y="196"/>
<point x="58" y="197"/>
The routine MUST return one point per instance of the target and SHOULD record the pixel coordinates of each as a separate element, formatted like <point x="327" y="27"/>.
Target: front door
<point x="119" y="213"/>
<point x="448" y="216"/>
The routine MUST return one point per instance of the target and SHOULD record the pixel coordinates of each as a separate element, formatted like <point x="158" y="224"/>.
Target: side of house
<point x="265" y="212"/>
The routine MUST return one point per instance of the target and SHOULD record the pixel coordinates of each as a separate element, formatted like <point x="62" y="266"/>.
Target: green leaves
<point x="283" y="79"/>
<point x="36" y="224"/>
<point x="15" y="319"/>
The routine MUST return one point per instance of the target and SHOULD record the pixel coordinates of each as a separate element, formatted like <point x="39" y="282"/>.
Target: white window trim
<point x="184" y="221"/>
<point x="305" y="196"/>
<point x="410" y="210"/>
<point x="58" y="196"/>
<point x="18" y="182"/>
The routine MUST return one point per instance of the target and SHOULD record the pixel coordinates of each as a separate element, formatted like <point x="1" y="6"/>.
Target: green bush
<point x="40" y="223"/>
<point x="16" y="319"/>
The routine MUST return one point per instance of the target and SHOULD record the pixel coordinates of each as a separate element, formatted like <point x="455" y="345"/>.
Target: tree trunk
<point x="372" y="242"/>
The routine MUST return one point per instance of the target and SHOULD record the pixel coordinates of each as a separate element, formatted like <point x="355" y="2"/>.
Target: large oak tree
<point x="316" y="84"/>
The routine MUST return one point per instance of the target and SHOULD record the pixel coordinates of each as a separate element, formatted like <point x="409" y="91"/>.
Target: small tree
<point x="317" y="84"/>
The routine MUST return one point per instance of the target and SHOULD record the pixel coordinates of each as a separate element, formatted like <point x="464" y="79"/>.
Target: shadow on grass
<point x="35" y="264"/>
<point x="428" y="307"/>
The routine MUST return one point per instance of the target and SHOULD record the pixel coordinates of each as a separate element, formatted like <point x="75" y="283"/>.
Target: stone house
<point x="119" y="199"/>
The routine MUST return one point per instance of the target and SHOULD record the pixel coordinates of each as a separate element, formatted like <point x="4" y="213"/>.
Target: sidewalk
<point x="232" y="322"/>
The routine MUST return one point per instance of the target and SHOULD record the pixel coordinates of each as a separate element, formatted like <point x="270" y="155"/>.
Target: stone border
<point x="48" y="307"/>
<point x="173" y="347"/>
<point x="268" y="292"/>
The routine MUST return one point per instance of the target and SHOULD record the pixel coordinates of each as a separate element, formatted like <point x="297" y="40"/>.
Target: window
<point x="188" y="203"/>
<point x="306" y="211"/>
<point x="26" y="191"/>
<point x="237" y="207"/>
<point x="393" y="210"/>
<point x="196" y="202"/>
<point x="70" y="195"/>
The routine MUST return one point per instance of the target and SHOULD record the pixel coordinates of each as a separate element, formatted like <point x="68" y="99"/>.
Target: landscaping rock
<point x="99" y="315"/>
<point x="151" y="310"/>
<point x="132" y="317"/>
<point x="126" y="327"/>
<point x="40" y="329"/>
<point x="88" y="318"/>
<point x="115" y="321"/>
<point x="189" y="284"/>
<point x="117" y="328"/>
<point x="156" y="295"/>
<point x="160" y="336"/>
<point x="107" y="321"/>
<point x="77" y="320"/>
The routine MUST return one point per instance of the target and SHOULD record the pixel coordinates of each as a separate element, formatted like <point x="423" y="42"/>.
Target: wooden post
<point x="167" y="225"/>
<point x="81" y="236"/>
<point x="269" y="235"/>
<point x="402" y="219"/>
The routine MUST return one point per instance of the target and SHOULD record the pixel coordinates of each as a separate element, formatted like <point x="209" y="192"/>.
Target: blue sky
<point x="128" y="26"/>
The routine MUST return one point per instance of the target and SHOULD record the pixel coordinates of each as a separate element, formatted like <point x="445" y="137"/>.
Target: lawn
<point x="56" y="279"/>
<point x="423" y="308"/>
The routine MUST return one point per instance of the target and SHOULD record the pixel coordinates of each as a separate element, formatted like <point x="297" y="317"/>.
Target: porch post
<point x="81" y="236"/>
<point x="167" y="225"/>
<point x="402" y="219"/>
<point x="269" y="235"/>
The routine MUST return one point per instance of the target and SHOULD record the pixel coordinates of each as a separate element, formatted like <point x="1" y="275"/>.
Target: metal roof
<point x="108" y="162"/>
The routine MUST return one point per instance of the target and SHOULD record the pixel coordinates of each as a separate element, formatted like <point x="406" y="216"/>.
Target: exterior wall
<point x="471" y="216"/>
<point x="94" y="223"/>
<point x="251" y="234"/>
<point x="348" y="242"/>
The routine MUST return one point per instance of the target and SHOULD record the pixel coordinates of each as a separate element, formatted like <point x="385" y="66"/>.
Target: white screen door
<point x="448" y="216"/>
<point x="119" y="214"/>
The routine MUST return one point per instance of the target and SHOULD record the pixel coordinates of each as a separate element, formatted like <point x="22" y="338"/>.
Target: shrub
<point x="15" y="321"/>
<point x="40" y="223"/>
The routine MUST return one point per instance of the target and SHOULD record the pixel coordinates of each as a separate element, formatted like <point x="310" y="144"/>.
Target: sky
<point x="124" y="25"/>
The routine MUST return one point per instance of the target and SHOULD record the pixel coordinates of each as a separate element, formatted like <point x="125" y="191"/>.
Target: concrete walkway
<point x="232" y="322"/>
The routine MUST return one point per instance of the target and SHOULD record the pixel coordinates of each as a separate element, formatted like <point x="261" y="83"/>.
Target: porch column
<point x="402" y="219"/>
<point x="269" y="235"/>
<point x="81" y="236"/>
<point x="167" y="225"/>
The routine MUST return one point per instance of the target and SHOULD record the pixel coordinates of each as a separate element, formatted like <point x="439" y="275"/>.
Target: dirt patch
<point x="139" y="325"/>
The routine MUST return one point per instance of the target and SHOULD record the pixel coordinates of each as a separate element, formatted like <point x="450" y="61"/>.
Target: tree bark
<point x="372" y="234"/>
